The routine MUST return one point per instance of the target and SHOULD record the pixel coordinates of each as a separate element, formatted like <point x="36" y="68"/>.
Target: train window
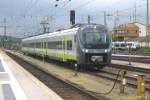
<point x="49" y="45"/>
<point x="23" y="45"/>
<point x="116" y="45"/>
<point x="69" y="45"/>
<point x="63" y="44"/>
<point x="129" y="44"/>
<point x="45" y="45"/>
<point x="59" y="45"/>
<point x="38" y="45"/>
<point x="75" y="38"/>
<point x="123" y="45"/>
<point x="28" y="45"/>
<point x="55" y="45"/>
<point x="32" y="45"/>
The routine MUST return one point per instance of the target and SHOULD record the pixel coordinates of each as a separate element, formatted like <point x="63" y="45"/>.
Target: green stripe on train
<point x="55" y="55"/>
<point x="62" y="56"/>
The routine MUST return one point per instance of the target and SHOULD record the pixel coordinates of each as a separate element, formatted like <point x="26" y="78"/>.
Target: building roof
<point x="128" y="26"/>
<point x="139" y="23"/>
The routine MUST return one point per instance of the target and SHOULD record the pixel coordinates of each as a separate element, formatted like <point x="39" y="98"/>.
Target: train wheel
<point x="100" y="67"/>
<point x="83" y="67"/>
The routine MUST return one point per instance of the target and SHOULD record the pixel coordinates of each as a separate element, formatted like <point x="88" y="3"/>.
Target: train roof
<point x="57" y="33"/>
<point x="85" y="24"/>
<point x="72" y="30"/>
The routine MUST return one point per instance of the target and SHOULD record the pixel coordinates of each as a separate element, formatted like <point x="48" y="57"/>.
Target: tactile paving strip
<point x="1" y="67"/>
<point x="8" y="93"/>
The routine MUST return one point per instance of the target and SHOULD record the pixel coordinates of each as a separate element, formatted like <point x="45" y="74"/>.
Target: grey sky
<point x="25" y="15"/>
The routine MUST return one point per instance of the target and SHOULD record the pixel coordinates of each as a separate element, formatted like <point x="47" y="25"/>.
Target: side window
<point x="69" y="45"/>
<point x="75" y="38"/>
<point x="38" y="45"/>
<point x="45" y="45"/>
<point x="63" y="44"/>
<point x="59" y="45"/>
<point x="32" y="45"/>
<point x="116" y="45"/>
<point x="23" y="45"/>
<point x="49" y="45"/>
<point x="55" y="45"/>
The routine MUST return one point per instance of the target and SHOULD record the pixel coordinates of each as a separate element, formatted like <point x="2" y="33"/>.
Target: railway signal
<point x="72" y="17"/>
<point x="4" y="40"/>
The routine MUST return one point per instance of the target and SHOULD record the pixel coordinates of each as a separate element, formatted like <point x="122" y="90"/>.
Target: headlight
<point x="106" y="50"/>
<point x="86" y="50"/>
<point x="83" y="50"/>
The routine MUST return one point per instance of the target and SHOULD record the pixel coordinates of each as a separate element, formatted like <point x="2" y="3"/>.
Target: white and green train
<point x="83" y="44"/>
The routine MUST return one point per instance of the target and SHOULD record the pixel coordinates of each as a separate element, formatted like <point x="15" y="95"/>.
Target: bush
<point x="145" y="49"/>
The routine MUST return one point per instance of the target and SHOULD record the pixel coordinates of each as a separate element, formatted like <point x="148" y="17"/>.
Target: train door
<point x="42" y="50"/>
<point x="46" y="44"/>
<point x="34" y="47"/>
<point x="64" y="48"/>
<point x="69" y="48"/>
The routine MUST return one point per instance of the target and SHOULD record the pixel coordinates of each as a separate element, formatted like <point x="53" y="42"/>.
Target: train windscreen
<point x="94" y="39"/>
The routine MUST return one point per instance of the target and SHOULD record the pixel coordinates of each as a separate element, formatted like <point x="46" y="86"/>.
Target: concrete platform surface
<point x="18" y="84"/>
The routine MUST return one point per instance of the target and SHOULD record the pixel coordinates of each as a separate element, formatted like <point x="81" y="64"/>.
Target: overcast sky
<point x="24" y="16"/>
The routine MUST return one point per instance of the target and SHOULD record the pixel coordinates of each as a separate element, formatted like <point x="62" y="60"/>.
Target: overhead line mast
<point x="4" y="39"/>
<point x="147" y="24"/>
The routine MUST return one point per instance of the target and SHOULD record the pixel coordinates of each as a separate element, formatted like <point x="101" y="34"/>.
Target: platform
<point x="135" y="56"/>
<point x="133" y="64"/>
<point x="18" y="84"/>
<point x="137" y="64"/>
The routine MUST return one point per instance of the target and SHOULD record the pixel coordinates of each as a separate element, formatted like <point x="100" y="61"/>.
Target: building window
<point x="136" y="31"/>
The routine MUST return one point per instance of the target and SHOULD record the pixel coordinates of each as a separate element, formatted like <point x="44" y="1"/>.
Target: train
<point x="82" y="44"/>
<point x="125" y="45"/>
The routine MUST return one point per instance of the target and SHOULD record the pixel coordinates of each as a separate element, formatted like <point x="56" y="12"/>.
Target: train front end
<point x="94" y="46"/>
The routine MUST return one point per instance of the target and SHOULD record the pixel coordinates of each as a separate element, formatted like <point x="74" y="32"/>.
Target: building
<point x="126" y="31"/>
<point x="142" y="29"/>
<point x="132" y="32"/>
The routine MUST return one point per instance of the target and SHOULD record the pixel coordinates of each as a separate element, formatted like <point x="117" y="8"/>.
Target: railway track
<point x="131" y="68"/>
<point x="133" y="59"/>
<point x="110" y="73"/>
<point x="63" y="88"/>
